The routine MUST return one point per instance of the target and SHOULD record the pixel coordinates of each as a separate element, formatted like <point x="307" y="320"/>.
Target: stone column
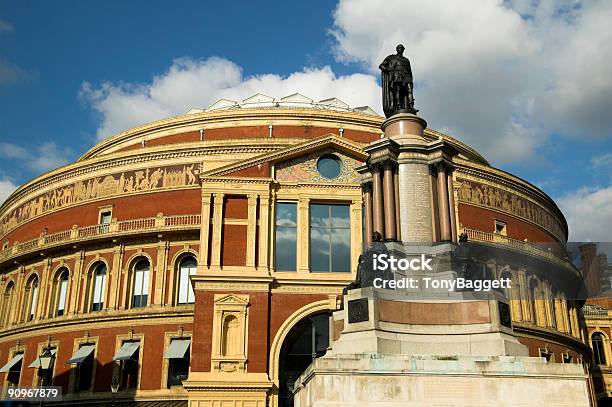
<point x="398" y="226"/>
<point x="204" y="230"/>
<point x="443" y="204"/>
<point x="451" y="203"/>
<point x="75" y="283"/>
<point x="264" y="231"/>
<point x="367" y="208"/>
<point x="303" y="242"/>
<point x="251" y="230"/>
<point x="389" y="201"/>
<point x="215" y="261"/>
<point x="44" y="292"/>
<point x="377" y="200"/>
<point x="161" y="273"/>
<point x="115" y="277"/>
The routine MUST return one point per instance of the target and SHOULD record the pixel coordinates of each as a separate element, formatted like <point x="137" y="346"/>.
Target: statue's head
<point x="400" y="49"/>
<point x="377" y="237"/>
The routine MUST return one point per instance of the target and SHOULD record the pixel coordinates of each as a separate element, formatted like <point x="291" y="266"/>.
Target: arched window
<point x="140" y="283"/>
<point x="597" y="342"/>
<point x="98" y="287"/>
<point x="61" y="288"/>
<point x="187" y="267"/>
<point x="7" y="305"/>
<point x="32" y="295"/>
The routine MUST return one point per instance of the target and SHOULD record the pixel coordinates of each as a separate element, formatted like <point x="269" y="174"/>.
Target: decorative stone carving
<point x="491" y="197"/>
<point x="304" y="169"/>
<point x="111" y="185"/>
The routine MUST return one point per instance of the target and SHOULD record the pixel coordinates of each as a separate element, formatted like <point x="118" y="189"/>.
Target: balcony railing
<point x="520" y="245"/>
<point x="159" y="223"/>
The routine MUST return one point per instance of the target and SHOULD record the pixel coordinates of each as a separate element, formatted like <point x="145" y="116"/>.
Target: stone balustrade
<point x="77" y="233"/>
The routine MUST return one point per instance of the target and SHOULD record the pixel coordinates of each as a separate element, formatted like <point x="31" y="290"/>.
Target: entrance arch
<point x="306" y="341"/>
<point x="277" y="343"/>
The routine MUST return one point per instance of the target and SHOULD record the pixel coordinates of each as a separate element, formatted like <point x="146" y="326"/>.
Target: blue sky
<point x="526" y="83"/>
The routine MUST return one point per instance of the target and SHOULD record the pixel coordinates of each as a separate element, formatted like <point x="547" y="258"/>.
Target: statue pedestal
<point x="393" y="351"/>
<point x="405" y="129"/>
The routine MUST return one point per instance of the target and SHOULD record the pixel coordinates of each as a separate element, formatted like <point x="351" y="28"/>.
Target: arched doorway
<point x="307" y="340"/>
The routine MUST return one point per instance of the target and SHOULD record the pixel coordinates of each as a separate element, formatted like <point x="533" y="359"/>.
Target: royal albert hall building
<point x="197" y="259"/>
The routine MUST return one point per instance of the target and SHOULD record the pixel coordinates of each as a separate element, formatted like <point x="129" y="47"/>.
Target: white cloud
<point x="602" y="161"/>
<point x="6" y="188"/>
<point x="189" y="83"/>
<point x="45" y="157"/>
<point x="502" y="76"/>
<point x="589" y="214"/>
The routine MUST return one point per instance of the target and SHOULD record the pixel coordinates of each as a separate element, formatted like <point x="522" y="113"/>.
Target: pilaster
<point x="215" y="261"/>
<point x="251" y="230"/>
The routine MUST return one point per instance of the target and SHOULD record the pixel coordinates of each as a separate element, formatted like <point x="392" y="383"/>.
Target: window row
<point x="95" y="290"/>
<point x="126" y="372"/>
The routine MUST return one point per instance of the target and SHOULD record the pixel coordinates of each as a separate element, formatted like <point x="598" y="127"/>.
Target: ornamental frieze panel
<point x="476" y="193"/>
<point x="149" y="179"/>
<point x="304" y="169"/>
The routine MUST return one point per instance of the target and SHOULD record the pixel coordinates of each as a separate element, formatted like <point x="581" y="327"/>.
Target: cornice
<point x="99" y="320"/>
<point x="208" y="118"/>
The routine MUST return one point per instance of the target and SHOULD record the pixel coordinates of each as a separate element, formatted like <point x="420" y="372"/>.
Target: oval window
<point x="329" y="166"/>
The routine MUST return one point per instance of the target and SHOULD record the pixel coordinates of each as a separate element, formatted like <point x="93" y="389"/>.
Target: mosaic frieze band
<point x="304" y="168"/>
<point x="480" y="194"/>
<point x="148" y="179"/>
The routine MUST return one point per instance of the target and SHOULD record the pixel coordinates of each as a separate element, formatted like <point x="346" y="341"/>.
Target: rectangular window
<point x="178" y="361"/>
<point x="500" y="228"/>
<point x="106" y="217"/>
<point x="330" y="238"/>
<point x="83" y="359"/>
<point x="129" y="360"/>
<point x="13" y="369"/>
<point x="285" y="252"/>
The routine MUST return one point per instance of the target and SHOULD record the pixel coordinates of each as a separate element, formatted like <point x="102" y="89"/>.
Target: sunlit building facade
<point x="197" y="259"/>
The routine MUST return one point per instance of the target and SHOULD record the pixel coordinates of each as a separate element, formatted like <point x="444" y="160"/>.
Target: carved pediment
<point x="231" y="299"/>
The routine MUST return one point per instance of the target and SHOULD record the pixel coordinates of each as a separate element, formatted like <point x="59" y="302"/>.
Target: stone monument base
<point x="364" y="380"/>
<point x="393" y="349"/>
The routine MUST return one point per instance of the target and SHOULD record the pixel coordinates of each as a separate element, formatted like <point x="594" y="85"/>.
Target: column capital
<point x="219" y="198"/>
<point x="442" y="166"/>
<point x="252" y="199"/>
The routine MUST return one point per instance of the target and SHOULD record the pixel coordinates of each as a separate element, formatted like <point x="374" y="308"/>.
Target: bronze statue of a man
<point x="397" y="84"/>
